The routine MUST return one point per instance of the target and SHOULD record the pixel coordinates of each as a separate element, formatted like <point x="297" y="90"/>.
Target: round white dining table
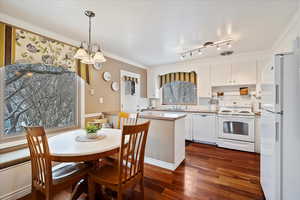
<point x="65" y="148"/>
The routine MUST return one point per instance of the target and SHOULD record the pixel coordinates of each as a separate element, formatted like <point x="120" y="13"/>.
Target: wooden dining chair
<point x="129" y="170"/>
<point x="125" y="118"/>
<point x="45" y="178"/>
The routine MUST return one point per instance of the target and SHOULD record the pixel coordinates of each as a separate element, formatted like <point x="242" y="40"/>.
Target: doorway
<point x="130" y="91"/>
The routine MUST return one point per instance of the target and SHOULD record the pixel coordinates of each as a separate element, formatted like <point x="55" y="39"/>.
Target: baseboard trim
<point x="17" y="193"/>
<point x="162" y="164"/>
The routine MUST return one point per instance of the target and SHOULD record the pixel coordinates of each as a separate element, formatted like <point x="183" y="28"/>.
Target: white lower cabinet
<point x="204" y="128"/>
<point x="189" y="127"/>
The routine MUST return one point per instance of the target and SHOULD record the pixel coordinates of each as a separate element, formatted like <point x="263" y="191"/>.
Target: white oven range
<point x="236" y="128"/>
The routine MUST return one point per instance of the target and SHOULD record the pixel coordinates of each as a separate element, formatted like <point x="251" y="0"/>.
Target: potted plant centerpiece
<point x="91" y="131"/>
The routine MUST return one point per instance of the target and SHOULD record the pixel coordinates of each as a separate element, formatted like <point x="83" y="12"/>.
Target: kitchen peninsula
<point x="166" y="139"/>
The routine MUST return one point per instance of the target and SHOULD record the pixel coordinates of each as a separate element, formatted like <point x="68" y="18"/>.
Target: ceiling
<point x="154" y="32"/>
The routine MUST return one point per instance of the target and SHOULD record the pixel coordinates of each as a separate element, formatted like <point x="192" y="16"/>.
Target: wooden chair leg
<point x="142" y="188"/>
<point x="49" y="196"/>
<point x="120" y="194"/>
<point x="91" y="189"/>
<point x="34" y="193"/>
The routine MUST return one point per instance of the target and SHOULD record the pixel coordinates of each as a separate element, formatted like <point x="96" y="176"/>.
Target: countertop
<point x="161" y="116"/>
<point x="258" y="114"/>
<point x="185" y="111"/>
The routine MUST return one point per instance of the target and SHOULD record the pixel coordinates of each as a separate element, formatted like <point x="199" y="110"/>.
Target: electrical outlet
<point x="101" y="100"/>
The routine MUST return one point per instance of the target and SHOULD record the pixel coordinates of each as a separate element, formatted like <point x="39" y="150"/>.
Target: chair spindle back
<point x="39" y="154"/>
<point x="127" y="119"/>
<point x="131" y="155"/>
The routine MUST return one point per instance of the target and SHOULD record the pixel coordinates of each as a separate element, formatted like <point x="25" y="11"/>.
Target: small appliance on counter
<point x="244" y="91"/>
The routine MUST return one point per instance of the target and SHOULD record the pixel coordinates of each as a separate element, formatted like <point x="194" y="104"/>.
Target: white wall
<point x="284" y="42"/>
<point x="15" y="181"/>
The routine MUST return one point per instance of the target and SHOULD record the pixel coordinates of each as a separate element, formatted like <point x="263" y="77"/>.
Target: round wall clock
<point x="115" y="86"/>
<point x="106" y="76"/>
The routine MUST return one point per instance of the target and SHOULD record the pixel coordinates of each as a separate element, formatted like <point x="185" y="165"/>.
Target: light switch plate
<point x="101" y="100"/>
<point x="92" y="91"/>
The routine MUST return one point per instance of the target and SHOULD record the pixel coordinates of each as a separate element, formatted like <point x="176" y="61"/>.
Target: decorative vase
<point x="92" y="135"/>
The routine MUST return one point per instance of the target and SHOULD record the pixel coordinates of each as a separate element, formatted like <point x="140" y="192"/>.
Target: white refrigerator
<point x="280" y="128"/>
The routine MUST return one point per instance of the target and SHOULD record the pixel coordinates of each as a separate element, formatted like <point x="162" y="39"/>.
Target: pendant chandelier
<point x="89" y="53"/>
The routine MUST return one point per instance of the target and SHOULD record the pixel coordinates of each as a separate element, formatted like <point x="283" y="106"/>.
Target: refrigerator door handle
<point x="277" y="94"/>
<point x="276" y="131"/>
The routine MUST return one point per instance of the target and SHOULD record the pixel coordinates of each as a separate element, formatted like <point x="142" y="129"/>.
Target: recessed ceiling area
<point x="155" y="32"/>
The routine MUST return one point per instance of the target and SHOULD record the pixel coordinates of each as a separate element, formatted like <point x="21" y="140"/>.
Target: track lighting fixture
<point x="217" y="44"/>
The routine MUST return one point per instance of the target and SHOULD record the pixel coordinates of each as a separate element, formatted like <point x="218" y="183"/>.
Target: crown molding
<point x="30" y="27"/>
<point x="125" y="60"/>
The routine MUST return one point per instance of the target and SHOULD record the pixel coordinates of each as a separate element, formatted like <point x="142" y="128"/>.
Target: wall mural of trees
<point x="37" y="94"/>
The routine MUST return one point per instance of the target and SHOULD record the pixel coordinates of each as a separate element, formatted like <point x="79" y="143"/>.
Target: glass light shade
<point x="80" y="54"/>
<point x="99" y="58"/>
<point x="88" y="60"/>
<point x="98" y="66"/>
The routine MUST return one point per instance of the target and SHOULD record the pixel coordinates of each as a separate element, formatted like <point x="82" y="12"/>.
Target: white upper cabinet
<point x="244" y="72"/>
<point x="221" y="74"/>
<point x="203" y="81"/>
<point x="236" y="73"/>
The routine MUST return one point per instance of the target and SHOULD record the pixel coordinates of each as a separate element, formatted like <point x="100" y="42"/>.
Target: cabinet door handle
<point x="203" y="115"/>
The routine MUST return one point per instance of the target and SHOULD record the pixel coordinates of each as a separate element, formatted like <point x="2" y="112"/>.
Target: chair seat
<point x="64" y="171"/>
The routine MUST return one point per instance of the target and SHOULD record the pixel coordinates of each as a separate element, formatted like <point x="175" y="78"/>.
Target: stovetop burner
<point x="237" y="111"/>
<point x="244" y="111"/>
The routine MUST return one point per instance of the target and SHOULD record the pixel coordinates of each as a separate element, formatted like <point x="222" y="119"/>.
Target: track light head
<point x="200" y="52"/>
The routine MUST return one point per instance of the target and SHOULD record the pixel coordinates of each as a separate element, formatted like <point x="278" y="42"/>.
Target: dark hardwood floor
<point x="208" y="173"/>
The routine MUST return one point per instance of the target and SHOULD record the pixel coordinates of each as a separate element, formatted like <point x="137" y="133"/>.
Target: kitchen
<point x="215" y="83"/>
<point x="226" y="110"/>
<point x="224" y="77"/>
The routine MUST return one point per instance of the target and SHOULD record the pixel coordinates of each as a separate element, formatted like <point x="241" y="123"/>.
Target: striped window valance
<point x="129" y="78"/>
<point x="178" y="76"/>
